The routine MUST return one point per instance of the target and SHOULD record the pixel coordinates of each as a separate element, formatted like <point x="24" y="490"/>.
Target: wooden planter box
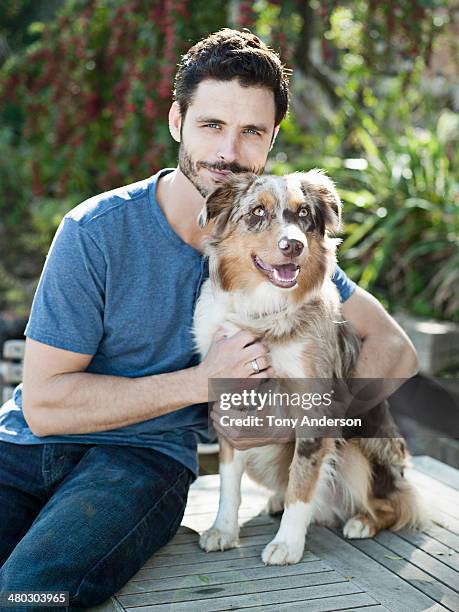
<point x="10" y="368"/>
<point x="436" y="342"/>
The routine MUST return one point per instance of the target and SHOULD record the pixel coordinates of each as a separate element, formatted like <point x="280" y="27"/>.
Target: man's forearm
<point x="386" y="352"/>
<point x="384" y="364"/>
<point x="386" y="357"/>
<point x="81" y="402"/>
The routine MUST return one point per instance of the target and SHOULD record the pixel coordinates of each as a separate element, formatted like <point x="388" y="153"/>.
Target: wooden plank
<point x="11" y="372"/>
<point x="235" y="599"/>
<point x="443" y="535"/>
<point x="444" y="497"/>
<point x="433" y="566"/>
<point x="438" y="516"/>
<point x="14" y="349"/>
<point x="204" y="495"/>
<point x="204" y="521"/>
<point x="246" y="511"/>
<point x="445" y="597"/>
<point x="196" y="579"/>
<point x="200" y="591"/>
<point x="432" y="547"/>
<point x="446" y="521"/>
<point x="111" y="605"/>
<point x="388" y="589"/>
<point x="202" y="556"/>
<point x="190" y="547"/>
<point x="206" y="568"/>
<point x="7" y="392"/>
<point x="326" y="605"/>
<point x="437" y="470"/>
<point x="263" y="528"/>
<point x="366" y="609"/>
<point x="246" y="520"/>
<point x="211" y="484"/>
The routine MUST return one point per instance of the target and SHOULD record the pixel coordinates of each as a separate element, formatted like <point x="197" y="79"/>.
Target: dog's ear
<point x="223" y="199"/>
<point x="321" y="193"/>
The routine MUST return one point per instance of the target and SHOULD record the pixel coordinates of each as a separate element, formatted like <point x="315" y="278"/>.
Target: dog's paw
<point x="358" y="527"/>
<point x="275" y="504"/>
<point x="282" y="553"/>
<point x="214" y="539"/>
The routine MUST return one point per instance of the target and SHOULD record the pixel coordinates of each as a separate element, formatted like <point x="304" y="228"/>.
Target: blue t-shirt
<point x="119" y="284"/>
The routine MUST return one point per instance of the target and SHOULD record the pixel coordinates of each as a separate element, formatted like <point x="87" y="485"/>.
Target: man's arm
<point x="59" y="397"/>
<point x="386" y="352"/>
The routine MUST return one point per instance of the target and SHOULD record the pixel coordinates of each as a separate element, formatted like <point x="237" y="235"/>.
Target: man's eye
<point x="212" y="125"/>
<point x="252" y="131"/>
<point x="303" y="212"/>
<point x="259" y="211"/>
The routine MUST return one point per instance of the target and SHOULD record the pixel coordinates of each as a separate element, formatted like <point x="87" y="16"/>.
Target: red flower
<point x="149" y="109"/>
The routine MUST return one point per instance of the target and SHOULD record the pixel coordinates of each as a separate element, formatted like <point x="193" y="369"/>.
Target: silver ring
<point x="255" y="366"/>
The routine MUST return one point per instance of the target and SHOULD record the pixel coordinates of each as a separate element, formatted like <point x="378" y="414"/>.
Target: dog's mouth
<point x="281" y="275"/>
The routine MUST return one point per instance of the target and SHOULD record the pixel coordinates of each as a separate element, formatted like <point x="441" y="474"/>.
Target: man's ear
<point x="175" y="121"/>
<point x="225" y="197"/>
<point x="319" y="188"/>
<point x="275" y="133"/>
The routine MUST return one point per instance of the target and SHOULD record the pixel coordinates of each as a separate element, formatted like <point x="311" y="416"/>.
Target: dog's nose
<point x="290" y="247"/>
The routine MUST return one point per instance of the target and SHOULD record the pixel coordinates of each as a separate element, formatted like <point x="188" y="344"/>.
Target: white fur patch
<point x="288" y="360"/>
<point x="288" y="545"/>
<point x="293" y="232"/>
<point x="356" y="529"/>
<point x="224" y="533"/>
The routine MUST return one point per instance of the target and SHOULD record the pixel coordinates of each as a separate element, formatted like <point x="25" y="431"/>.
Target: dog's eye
<point x="259" y="211"/>
<point x="303" y="212"/>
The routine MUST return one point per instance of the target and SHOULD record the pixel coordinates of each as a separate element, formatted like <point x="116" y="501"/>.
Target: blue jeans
<point x="84" y="518"/>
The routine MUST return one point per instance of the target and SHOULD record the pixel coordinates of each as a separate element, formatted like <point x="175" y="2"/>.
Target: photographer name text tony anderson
<point x="273" y="421"/>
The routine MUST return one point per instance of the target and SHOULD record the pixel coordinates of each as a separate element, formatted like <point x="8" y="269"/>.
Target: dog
<point x="271" y="258"/>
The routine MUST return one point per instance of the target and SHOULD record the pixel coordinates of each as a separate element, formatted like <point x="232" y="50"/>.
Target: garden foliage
<point x="84" y="101"/>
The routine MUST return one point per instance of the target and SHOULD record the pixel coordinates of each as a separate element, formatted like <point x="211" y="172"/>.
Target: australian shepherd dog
<point x="271" y="260"/>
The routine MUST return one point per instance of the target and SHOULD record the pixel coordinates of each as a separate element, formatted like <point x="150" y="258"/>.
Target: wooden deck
<point x="402" y="573"/>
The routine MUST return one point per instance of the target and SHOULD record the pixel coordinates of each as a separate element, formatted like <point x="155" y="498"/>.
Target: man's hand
<point x="232" y="358"/>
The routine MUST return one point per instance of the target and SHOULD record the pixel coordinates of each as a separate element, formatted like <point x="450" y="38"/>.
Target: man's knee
<point x="19" y="574"/>
<point x="89" y="582"/>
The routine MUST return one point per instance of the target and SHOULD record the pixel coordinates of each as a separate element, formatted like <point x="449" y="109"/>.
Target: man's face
<point x="227" y="128"/>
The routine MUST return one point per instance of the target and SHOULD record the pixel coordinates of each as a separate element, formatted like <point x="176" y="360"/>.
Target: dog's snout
<point x="290" y="247"/>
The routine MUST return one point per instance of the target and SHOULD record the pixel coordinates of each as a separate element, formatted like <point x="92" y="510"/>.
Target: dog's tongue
<point x="286" y="272"/>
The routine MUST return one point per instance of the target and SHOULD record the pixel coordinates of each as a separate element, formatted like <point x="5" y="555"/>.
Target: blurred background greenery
<point x="85" y="86"/>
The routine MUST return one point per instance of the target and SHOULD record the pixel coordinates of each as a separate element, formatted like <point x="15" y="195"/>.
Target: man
<point x="98" y="448"/>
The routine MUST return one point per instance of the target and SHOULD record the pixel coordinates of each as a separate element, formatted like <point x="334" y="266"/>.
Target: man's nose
<point x="290" y="247"/>
<point x="228" y="149"/>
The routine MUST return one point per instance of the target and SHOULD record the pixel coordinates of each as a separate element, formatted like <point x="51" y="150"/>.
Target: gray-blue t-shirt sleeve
<point x="68" y="307"/>
<point x="343" y="283"/>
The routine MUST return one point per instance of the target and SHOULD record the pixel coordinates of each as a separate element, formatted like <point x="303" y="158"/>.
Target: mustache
<point x="232" y="167"/>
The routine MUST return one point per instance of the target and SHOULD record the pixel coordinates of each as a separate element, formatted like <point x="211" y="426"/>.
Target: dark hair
<point x="231" y="54"/>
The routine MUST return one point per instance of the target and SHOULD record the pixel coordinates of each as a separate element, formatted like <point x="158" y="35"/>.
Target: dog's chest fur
<point x="302" y="339"/>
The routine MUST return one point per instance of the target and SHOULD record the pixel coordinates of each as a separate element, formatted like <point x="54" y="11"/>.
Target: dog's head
<point x="272" y="230"/>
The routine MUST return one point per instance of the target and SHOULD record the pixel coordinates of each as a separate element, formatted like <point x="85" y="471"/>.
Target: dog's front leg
<point x="224" y="533"/>
<point x="309" y="471"/>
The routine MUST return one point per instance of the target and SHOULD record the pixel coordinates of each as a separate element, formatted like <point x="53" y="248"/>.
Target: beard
<point x="191" y="169"/>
